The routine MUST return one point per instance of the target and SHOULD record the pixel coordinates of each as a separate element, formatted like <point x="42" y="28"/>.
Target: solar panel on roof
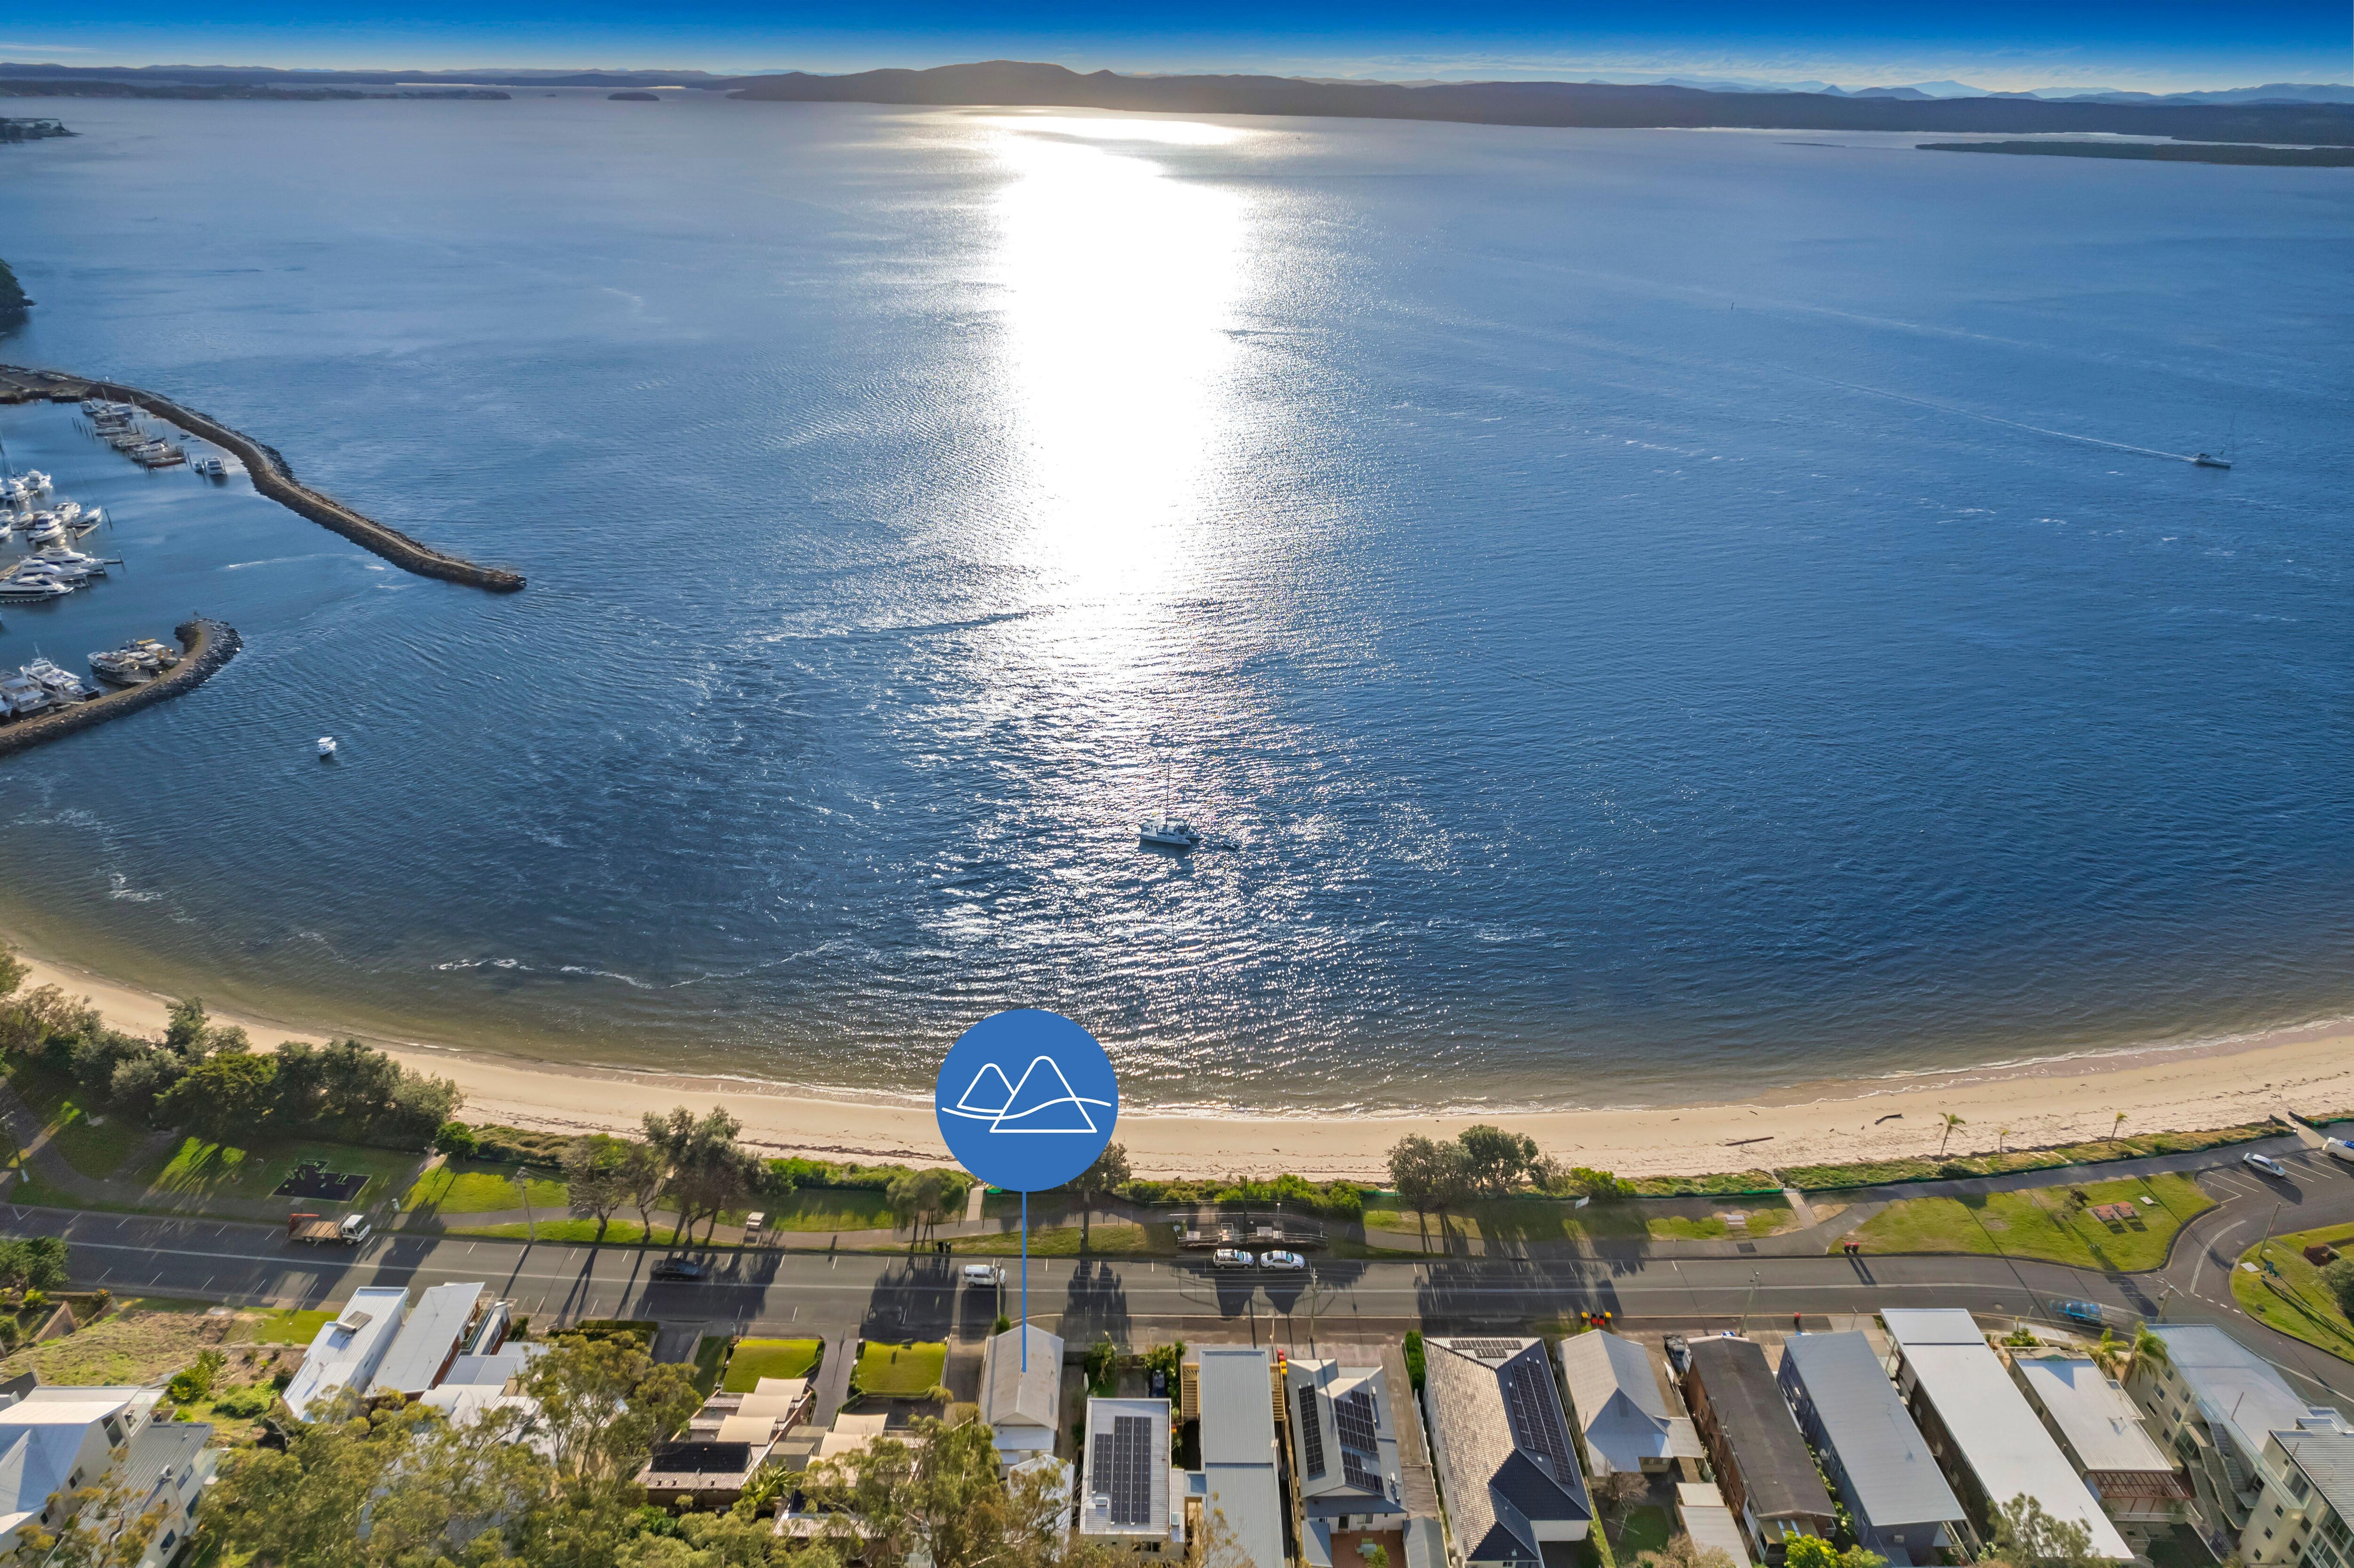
<point x="1357" y="1474"/>
<point x="1535" y="1419"/>
<point x="1488" y="1350"/>
<point x="1353" y="1418"/>
<point x="1122" y="1461"/>
<point x="1311" y="1433"/>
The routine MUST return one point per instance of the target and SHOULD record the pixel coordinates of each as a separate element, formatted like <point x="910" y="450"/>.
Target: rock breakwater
<point x="204" y="646"/>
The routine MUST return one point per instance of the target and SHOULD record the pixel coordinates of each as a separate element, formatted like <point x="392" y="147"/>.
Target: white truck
<point x="318" y="1230"/>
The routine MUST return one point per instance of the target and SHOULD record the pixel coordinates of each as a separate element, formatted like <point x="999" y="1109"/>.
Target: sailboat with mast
<point x="1166" y="832"/>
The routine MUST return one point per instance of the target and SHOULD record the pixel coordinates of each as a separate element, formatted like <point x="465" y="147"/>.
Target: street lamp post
<point x="530" y="1221"/>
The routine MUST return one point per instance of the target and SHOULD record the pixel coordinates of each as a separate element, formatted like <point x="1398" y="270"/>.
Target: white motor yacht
<point x="58" y="555"/>
<point x="43" y="528"/>
<point x="62" y="684"/>
<point x="21" y="694"/>
<point x="326" y="746"/>
<point x="36" y="481"/>
<point x="19" y="588"/>
<point x="210" y="467"/>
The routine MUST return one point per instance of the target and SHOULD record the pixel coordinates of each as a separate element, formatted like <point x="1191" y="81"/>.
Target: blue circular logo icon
<point x="1027" y="1100"/>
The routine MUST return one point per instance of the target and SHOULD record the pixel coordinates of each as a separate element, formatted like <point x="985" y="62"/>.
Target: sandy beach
<point x="2171" y="1089"/>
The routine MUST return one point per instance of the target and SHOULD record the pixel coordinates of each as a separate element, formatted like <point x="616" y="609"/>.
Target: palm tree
<point x="1952" y="1121"/>
<point x="2002" y="1137"/>
<point x="2115" y="1125"/>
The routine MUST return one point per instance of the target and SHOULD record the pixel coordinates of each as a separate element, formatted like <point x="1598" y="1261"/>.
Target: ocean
<point x="1644" y="616"/>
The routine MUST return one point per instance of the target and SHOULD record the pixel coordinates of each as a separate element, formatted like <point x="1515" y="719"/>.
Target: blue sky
<point x="2150" y="44"/>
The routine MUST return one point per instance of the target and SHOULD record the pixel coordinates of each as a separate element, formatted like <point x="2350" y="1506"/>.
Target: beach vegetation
<point x="456" y="1140"/>
<point x="1070" y="1241"/>
<point x="1890" y="1172"/>
<point x="2054" y="1223"/>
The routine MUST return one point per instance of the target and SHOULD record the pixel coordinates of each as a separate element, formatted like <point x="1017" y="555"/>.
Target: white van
<point x="2338" y="1148"/>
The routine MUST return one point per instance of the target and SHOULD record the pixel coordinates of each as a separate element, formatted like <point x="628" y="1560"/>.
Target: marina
<point x="56" y="703"/>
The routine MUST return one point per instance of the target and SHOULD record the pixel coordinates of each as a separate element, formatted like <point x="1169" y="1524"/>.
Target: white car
<point x="1292" y="1261"/>
<point x="986" y="1275"/>
<point x="1232" y="1257"/>
<point x="2263" y="1162"/>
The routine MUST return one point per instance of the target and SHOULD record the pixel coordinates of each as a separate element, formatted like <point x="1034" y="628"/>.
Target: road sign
<point x="1027" y="1100"/>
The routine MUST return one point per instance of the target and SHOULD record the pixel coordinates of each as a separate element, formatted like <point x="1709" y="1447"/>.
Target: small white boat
<point x="210" y="467"/>
<point x="326" y="746"/>
<point x="42" y="529"/>
<point x="2206" y="461"/>
<point x="1166" y="832"/>
<point x="36" y="482"/>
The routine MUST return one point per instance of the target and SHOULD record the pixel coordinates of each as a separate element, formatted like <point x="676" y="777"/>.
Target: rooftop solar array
<point x="1489" y="1349"/>
<point x="1123" y="1468"/>
<point x="1535" y="1416"/>
<point x="1354" y="1416"/>
<point x="1311" y="1433"/>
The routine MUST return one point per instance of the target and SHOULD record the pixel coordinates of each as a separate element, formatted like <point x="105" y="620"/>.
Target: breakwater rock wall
<point x="205" y="646"/>
<point x="271" y="473"/>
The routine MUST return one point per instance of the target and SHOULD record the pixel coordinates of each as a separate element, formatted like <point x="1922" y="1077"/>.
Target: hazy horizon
<point x="2008" y="46"/>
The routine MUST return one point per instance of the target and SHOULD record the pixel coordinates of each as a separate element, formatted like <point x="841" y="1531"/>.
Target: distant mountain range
<point x="1561" y="104"/>
<point x="2295" y="113"/>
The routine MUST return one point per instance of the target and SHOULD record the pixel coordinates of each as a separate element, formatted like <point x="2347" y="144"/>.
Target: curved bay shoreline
<point x="271" y="475"/>
<point x="2308" y="1070"/>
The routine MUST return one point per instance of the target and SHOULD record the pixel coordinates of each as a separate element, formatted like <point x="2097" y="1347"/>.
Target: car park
<point x="1232" y="1257"/>
<point x="2263" y="1162"/>
<point x="679" y="1268"/>
<point x="986" y="1275"/>
<point x="1289" y="1261"/>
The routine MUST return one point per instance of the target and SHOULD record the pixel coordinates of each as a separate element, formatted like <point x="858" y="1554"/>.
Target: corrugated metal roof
<point x="1887" y="1461"/>
<point x="1615" y="1392"/>
<point x="1709" y="1522"/>
<point x="2328" y="1461"/>
<point x="424" y="1347"/>
<point x="1237" y="1395"/>
<point x="1998" y="1436"/>
<point x="1010" y="1396"/>
<point x="1778" y="1472"/>
<point x="347" y="1352"/>
<point x="2236" y="1388"/>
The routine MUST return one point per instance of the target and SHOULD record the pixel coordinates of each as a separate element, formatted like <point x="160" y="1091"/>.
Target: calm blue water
<point x="1569" y="567"/>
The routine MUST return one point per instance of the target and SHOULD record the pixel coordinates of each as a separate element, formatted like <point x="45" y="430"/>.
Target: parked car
<point x="2338" y="1148"/>
<point x="685" y="1269"/>
<point x="986" y="1275"/>
<point x="2263" y="1162"/>
<point x="1678" y="1351"/>
<point x="1232" y="1257"/>
<point x="1290" y="1260"/>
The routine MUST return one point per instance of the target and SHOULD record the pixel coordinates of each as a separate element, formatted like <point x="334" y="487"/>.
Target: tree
<point x="1952" y="1121"/>
<point x="1100" y="1181"/>
<point x="38" y="1263"/>
<point x="938" y="1495"/>
<point x="225" y="1099"/>
<point x="139" y="1082"/>
<point x="1495" y="1161"/>
<point x="1430" y="1177"/>
<point x="1622" y="1490"/>
<point x="595" y="1177"/>
<point x="603" y="1405"/>
<point x="185" y="1035"/>
<point x="99" y="1530"/>
<point x="641" y="1175"/>
<point x="708" y="1172"/>
<point x="13" y="972"/>
<point x="301" y="1083"/>
<point x="357" y="1083"/>
<point x="1813" y="1551"/>
<point x="41" y="1015"/>
<point x="2025" y="1534"/>
<point x="918" y="1198"/>
<point x="2338" y="1278"/>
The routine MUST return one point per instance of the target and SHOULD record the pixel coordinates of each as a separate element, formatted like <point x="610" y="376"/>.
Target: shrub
<point x="2339" y="1279"/>
<point x="246" y="1401"/>
<point x="1413" y="1358"/>
<point x="455" y="1139"/>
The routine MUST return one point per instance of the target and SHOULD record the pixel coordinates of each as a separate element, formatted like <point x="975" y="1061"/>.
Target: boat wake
<point x="2193" y="457"/>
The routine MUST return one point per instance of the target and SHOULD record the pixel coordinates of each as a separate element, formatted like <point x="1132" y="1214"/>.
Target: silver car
<point x="1290" y="1260"/>
<point x="1232" y="1257"/>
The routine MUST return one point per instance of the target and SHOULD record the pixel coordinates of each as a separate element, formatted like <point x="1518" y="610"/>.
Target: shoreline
<point x="2165" y="1088"/>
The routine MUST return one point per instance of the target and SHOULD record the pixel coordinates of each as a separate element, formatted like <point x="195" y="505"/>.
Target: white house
<point x="428" y="1341"/>
<point x="347" y="1352"/>
<point x="1021" y="1403"/>
<point x="55" y="1441"/>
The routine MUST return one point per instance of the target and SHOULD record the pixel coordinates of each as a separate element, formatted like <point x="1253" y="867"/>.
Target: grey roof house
<point x="1235" y="1387"/>
<point x="1615" y="1394"/>
<point x="1763" y="1467"/>
<point x="1506" y="1469"/>
<point x="1876" y="1458"/>
<point x="2214" y="1403"/>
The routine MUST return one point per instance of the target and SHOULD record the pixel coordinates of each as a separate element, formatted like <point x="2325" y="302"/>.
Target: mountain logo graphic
<point x="1043" y="1102"/>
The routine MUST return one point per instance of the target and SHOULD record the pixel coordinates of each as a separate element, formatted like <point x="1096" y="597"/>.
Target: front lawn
<point x="200" y="1169"/>
<point x="831" y="1209"/>
<point x="2293" y="1299"/>
<point x="2045" y="1223"/>
<point x="95" y="1147"/>
<point x="470" y="1188"/>
<point x="1643" y="1530"/>
<point x="289" y="1326"/>
<point x="906" y="1372"/>
<point x="1063" y="1241"/>
<point x="756" y="1359"/>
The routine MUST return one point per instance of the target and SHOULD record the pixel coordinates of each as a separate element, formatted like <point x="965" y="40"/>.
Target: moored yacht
<point x="62" y="684"/>
<point x="21" y="694"/>
<point x="19" y="589"/>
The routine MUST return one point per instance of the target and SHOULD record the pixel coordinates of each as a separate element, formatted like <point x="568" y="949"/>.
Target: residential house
<point x="1763" y="1467"/>
<point x="428" y="1341"/>
<point x="1022" y="1402"/>
<point x="1345" y="1464"/>
<point x="164" y="1471"/>
<point x="2301" y="1519"/>
<point x="1240" y="1484"/>
<point x="347" y="1352"/>
<point x="1131" y="1494"/>
<point x="2214" y="1403"/>
<point x="56" y="1441"/>
<point x="2105" y="1435"/>
<point x="1878" y="1462"/>
<point x="1986" y="1438"/>
<point x="478" y="1386"/>
<point x="1616" y="1397"/>
<point x="1501" y="1448"/>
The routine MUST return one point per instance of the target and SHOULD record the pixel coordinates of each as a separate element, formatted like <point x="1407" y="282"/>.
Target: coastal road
<point x="895" y="1295"/>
